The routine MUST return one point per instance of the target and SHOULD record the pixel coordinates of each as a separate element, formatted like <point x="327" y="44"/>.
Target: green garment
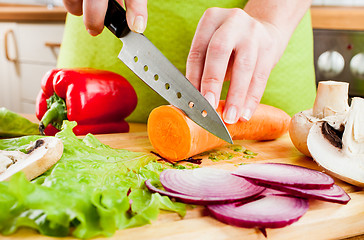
<point x="171" y="27"/>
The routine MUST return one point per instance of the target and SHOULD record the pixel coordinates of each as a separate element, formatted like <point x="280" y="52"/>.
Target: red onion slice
<point x="285" y="174"/>
<point x="184" y="198"/>
<point x="177" y="196"/>
<point x="210" y="184"/>
<point x="270" y="211"/>
<point x="333" y="194"/>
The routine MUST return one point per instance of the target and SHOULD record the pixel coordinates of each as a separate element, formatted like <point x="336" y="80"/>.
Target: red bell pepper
<point x="98" y="100"/>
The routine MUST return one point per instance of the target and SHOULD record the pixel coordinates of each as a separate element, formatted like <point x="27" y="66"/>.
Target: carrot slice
<point x="176" y="137"/>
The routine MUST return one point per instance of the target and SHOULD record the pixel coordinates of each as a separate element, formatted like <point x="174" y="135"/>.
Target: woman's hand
<point x="242" y="46"/>
<point x="94" y="11"/>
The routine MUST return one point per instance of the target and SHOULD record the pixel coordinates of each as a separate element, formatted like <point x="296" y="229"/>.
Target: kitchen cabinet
<point x="29" y="50"/>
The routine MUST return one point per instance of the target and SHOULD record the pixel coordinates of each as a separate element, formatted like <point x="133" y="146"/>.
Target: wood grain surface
<point x="332" y="17"/>
<point x="322" y="221"/>
<point x="25" y="13"/>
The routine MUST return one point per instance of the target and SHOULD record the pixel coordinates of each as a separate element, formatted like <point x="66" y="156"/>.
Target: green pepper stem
<point x="56" y="113"/>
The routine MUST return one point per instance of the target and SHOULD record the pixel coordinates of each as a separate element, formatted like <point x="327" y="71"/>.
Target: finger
<point x="137" y="15"/>
<point x="218" y="54"/>
<point x="94" y="15"/>
<point x="208" y="24"/>
<point x="258" y="83"/>
<point x="241" y="74"/>
<point x="73" y="6"/>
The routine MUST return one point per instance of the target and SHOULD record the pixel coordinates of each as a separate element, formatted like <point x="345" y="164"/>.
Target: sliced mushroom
<point x="42" y="155"/>
<point x="5" y="162"/>
<point x="341" y="153"/>
<point x="331" y="105"/>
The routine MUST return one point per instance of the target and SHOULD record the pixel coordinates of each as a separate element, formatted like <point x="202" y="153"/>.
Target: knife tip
<point x="226" y="137"/>
<point x="229" y="140"/>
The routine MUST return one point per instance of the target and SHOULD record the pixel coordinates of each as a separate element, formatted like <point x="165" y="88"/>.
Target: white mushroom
<point x="42" y="155"/>
<point x="331" y="105"/>
<point x="341" y="153"/>
<point x="5" y="162"/>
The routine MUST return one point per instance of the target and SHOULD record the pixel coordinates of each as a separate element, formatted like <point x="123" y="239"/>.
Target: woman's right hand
<point x="94" y="11"/>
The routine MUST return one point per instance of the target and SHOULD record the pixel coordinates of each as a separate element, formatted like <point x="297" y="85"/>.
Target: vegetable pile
<point x="92" y="190"/>
<point x="262" y="195"/>
<point x="167" y="124"/>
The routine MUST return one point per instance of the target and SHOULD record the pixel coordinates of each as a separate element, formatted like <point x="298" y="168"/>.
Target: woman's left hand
<point x="243" y="48"/>
<point x="229" y="44"/>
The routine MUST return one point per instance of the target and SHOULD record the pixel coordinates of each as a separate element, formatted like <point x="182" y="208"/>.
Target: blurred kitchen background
<point x="49" y="3"/>
<point x="31" y="34"/>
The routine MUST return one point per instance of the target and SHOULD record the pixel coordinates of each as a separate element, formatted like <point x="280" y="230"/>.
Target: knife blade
<point x="150" y="65"/>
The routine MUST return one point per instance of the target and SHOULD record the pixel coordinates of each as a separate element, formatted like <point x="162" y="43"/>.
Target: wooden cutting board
<point x="322" y="221"/>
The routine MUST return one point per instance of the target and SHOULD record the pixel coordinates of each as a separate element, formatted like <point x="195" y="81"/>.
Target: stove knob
<point x="357" y="65"/>
<point x="330" y="64"/>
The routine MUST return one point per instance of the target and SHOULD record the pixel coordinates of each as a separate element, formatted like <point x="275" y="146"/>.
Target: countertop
<point x="323" y="220"/>
<point x="343" y="18"/>
<point x="21" y="13"/>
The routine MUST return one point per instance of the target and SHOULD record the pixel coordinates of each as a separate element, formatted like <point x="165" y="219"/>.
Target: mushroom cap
<point x="39" y="160"/>
<point x="347" y="167"/>
<point x="299" y="128"/>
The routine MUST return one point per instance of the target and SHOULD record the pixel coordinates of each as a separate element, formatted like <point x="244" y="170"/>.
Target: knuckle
<point x="219" y="46"/>
<point x="194" y="56"/>
<point x="211" y="12"/>
<point x="236" y="14"/>
<point x="254" y="99"/>
<point x="211" y="81"/>
<point x="261" y="78"/>
<point x="254" y="29"/>
<point x="245" y="62"/>
<point x="268" y="46"/>
<point x="237" y="96"/>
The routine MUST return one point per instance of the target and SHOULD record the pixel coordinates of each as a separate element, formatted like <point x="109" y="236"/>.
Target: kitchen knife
<point x="150" y="65"/>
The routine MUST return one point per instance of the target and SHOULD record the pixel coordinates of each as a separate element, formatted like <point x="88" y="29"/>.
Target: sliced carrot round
<point x="166" y="125"/>
<point x="174" y="135"/>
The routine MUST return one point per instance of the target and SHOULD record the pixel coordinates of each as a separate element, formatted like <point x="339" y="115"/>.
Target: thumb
<point x="136" y="15"/>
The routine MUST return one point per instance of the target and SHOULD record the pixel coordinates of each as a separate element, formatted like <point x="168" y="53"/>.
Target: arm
<point x="284" y="15"/>
<point x="243" y="46"/>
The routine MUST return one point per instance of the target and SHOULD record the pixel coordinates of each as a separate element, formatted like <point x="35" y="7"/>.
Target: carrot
<point x="176" y="137"/>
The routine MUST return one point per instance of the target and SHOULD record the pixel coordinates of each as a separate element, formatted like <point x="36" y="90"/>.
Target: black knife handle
<point x="115" y="19"/>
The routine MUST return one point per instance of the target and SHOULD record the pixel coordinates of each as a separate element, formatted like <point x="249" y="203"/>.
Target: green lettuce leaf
<point x="14" y="125"/>
<point x="93" y="190"/>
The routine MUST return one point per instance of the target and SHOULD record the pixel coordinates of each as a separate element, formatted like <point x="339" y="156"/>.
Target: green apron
<point x="171" y="27"/>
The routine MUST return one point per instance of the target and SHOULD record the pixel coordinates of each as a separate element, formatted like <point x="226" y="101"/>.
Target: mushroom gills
<point x="333" y="135"/>
<point x="40" y="156"/>
<point x="8" y="158"/>
<point x="342" y="156"/>
<point x="331" y="105"/>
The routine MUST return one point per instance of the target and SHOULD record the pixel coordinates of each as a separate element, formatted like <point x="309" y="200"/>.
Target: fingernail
<point x="247" y="114"/>
<point x="230" y="115"/>
<point x="210" y="97"/>
<point x="92" y="32"/>
<point x="138" y="24"/>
